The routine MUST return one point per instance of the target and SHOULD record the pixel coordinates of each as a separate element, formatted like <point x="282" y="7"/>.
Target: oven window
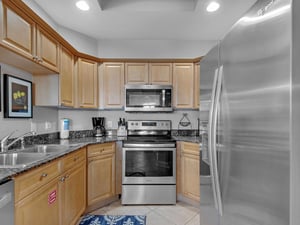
<point x="149" y="164"/>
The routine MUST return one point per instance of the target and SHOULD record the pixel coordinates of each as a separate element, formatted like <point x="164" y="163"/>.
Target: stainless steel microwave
<point x="148" y="98"/>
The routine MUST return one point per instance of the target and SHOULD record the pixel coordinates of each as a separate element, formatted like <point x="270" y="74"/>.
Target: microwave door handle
<point x="210" y="136"/>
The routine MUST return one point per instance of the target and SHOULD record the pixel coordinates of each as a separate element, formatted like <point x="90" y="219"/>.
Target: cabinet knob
<point x="44" y="175"/>
<point x="62" y="179"/>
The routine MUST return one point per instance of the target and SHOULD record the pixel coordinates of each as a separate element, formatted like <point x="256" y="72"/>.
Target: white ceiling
<point x="147" y="19"/>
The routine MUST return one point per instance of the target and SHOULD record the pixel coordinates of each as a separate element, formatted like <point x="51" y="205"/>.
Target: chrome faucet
<point x="5" y="146"/>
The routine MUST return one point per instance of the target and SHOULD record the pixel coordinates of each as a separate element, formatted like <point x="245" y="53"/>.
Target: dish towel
<point x="113" y="220"/>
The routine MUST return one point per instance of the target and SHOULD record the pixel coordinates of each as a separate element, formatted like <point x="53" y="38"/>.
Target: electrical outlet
<point x="109" y="124"/>
<point x="47" y="126"/>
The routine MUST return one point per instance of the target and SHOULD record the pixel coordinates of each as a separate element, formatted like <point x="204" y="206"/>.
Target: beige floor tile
<point x="177" y="214"/>
<point x="153" y="218"/>
<point x="194" y="221"/>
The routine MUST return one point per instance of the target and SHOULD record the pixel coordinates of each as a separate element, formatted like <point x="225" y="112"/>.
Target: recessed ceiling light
<point x="82" y="5"/>
<point x="212" y="7"/>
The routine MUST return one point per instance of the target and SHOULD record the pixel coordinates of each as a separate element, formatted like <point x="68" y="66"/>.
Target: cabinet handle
<point x="44" y="175"/>
<point x="62" y="179"/>
<point x="35" y="58"/>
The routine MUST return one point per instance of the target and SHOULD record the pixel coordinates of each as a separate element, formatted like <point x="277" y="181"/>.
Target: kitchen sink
<point x="19" y="159"/>
<point x="49" y="148"/>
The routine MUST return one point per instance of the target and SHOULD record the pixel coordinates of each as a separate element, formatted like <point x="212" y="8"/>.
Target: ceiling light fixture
<point x="212" y="7"/>
<point x="82" y="5"/>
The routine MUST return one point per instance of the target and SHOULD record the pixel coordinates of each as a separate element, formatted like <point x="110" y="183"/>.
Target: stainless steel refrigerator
<point x="250" y="109"/>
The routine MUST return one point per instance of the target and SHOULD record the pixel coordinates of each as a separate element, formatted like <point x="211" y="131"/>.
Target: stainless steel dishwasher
<point x="7" y="203"/>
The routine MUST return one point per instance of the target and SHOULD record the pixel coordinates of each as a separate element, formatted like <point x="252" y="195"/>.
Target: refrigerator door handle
<point x="214" y="164"/>
<point x="210" y="137"/>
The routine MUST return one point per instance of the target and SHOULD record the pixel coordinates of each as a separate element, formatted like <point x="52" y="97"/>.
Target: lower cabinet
<point x="190" y="171"/>
<point x="57" y="201"/>
<point x="73" y="199"/>
<point x="101" y="173"/>
<point x="40" y="207"/>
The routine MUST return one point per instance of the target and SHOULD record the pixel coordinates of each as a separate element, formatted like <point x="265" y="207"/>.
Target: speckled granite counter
<point x="74" y="144"/>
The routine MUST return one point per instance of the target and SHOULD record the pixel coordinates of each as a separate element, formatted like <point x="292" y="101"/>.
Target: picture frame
<point x="17" y="97"/>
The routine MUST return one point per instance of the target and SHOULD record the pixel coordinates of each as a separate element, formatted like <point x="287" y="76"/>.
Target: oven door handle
<point x="136" y="145"/>
<point x="148" y="149"/>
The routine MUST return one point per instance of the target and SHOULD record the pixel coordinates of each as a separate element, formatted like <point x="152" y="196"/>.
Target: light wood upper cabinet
<point x="87" y="78"/>
<point x="18" y="32"/>
<point x="66" y="78"/>
<point x="190" y="170"/>
<point x="101" y="172"/>
<point x="112" y="85"/>
<point x="197" y="86"/>
<point x="136" y="73"/>
<point x="160" y="73"/>
<point x="183" y="85"/>
<point x="22" y="35"/>
<point x="47" y="50"/>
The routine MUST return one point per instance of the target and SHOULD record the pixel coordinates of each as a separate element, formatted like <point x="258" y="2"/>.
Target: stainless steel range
<point x="149" y="163"/>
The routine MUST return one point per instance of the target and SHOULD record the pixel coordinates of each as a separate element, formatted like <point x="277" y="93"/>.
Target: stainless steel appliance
<point x="148" y="98"/>
<point x="149" y="163"/>
<point x="250" y="88"/>
<point x="7" y="203"/>
<point x="99" y="126"/>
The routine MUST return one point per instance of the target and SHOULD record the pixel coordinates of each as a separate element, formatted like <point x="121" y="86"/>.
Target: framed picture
<point x="17" y="97"/>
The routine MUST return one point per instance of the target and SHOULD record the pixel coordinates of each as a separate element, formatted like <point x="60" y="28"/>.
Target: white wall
<point x="82" y="120"/>
<point x="40" y="116"/>
<point x="152" y="49"/>
<point x="79" y="41"/>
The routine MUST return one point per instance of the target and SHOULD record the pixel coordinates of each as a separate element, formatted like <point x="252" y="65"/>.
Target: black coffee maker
<point x="99" y="126"/>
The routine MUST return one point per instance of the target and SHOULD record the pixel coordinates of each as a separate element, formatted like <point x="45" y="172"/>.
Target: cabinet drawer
<point x="73" y="159"/>
<point x="30" y="181"/>
<point x="190" y="148"/>
<point x="101" y="149"/>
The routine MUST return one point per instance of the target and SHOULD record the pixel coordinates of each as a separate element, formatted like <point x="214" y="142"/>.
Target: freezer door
<point x="209" y="67"/>
<point x="254" y="146"/>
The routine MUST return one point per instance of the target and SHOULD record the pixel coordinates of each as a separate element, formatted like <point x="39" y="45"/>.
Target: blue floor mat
<point x="112" y="220"/>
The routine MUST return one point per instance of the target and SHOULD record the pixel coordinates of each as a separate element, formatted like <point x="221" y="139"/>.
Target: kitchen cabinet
<point x="183" y="85"/>
<point x="197" y="86"/>
<point x="67" y="78"/>
<point x="56" y="190"/>
<point x="160" y="73"/>
<point x="73" y="187"/>
<point x="148" y="73"/>
<point x="136" y="73"/>
<point x="190" y="171"/>
<point x="101" y="173"/>
<point x="37" y="191"/>
<point x="87" y="78"/>
<point x="22" y="35"/>
<point x="40" y="207"/>
<point x="112" y="85"/>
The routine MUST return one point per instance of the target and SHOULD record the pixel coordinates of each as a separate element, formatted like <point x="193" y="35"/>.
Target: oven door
<point x="149" y="166"/>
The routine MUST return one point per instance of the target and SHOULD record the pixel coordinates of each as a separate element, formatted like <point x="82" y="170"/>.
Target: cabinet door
<point x="47" y="50"/>
<point x="87" y="83"/>
<point x="183" y="85"/>
<point x="113" y="85"/>
<point x="73" y="189"/>
<point x="190" y="171"/>
<point x="41" y="207"/>
<point x="101" y="178"/>
<point x="66" y="78"/>
<point x="136" y="73"/>
<point x="160" y="73"/>
<point x="197" y="86"/>
<point x="18" y="32"/>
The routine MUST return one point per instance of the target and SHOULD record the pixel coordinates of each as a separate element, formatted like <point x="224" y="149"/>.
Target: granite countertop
<point x="74" y="144"/>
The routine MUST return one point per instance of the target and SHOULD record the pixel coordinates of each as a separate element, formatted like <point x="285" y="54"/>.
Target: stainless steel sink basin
<point x="19" y="159"/>
<point x="49" y="148"/>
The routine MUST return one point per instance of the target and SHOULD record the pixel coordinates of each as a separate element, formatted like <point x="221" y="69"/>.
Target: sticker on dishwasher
<point x="52" y="197"/>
